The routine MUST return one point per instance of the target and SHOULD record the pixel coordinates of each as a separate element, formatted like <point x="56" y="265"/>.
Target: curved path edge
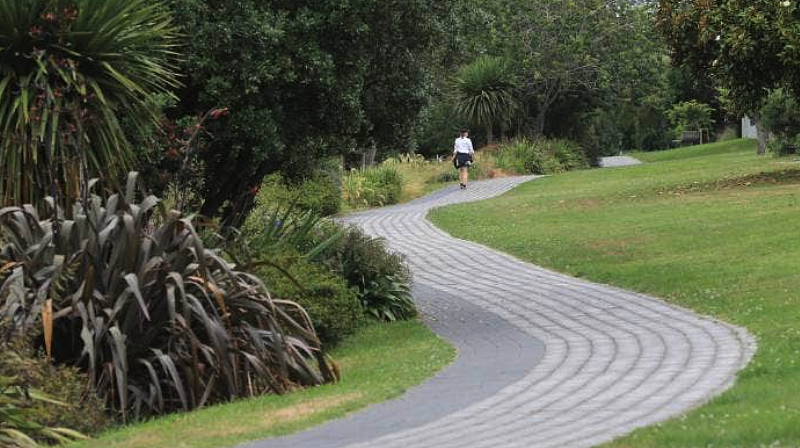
<point x="545" y="360"/>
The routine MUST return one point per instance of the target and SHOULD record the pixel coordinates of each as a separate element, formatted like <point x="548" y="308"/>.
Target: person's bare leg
<point x="463" y="176"/>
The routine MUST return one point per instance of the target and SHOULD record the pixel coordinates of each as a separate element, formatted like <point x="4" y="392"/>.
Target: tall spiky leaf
<point x="69" y="69"/>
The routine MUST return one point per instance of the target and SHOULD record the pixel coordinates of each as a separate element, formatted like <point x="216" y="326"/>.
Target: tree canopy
<point x="746" y="48"/>
<point x="302" y="80"/>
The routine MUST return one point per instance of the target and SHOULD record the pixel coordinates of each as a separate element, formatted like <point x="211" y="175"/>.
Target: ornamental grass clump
<point x="159" y="321"/>
<point x="540" y="156"/>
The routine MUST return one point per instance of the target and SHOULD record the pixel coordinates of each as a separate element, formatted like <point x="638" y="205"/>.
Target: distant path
<point x="614" y="161"/>
<point x="545" y="360"/>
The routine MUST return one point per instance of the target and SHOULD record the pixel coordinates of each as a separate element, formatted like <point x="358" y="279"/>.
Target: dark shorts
<point x="463" y="160"/>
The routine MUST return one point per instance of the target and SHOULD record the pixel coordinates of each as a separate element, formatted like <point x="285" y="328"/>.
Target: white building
<point x="748" y="129"/>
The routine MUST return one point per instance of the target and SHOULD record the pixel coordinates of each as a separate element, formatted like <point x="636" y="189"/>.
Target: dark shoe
<point x="462" y="186"/>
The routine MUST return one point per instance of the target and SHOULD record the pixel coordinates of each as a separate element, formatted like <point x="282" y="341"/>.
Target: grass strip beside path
<point x="378" y="363"/>
<point x="713" y="228"/>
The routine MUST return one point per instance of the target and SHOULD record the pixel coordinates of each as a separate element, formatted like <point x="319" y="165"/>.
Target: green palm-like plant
<point x="69" y="69"/>
<point x="485" y="92"/>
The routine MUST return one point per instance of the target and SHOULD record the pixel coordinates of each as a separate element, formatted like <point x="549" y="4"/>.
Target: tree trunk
<point x="489" y="134"/>
<point x="538" y="124"/>
<point x="762" y="135"/>
<point x="502" y="132"/>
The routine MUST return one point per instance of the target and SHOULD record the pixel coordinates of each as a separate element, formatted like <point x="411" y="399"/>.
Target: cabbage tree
<point x="485" y="93"/>
<point x="69" y="70"/>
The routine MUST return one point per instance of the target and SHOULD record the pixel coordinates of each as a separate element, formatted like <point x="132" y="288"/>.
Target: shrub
<point x="780" y="117"/>
<point x="477" y="170"/>
<point x="542" y="156"/>
<point x="334" y="308"/>
<point x="22" y="424"/>
<point x="386" y="184"/>
<point x="379" y="185"/>
<point x="318" y="194"/>
<point x="73" y="401"/>
<point x="444" y="176"/>
<point x="159" y="322"/>
<point x="380" y="277"/>
<point x="567" y="153"/>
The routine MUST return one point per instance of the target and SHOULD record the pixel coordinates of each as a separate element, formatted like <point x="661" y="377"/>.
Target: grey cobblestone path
<point x="612" y="360"/>
<point x="615" y="161"/>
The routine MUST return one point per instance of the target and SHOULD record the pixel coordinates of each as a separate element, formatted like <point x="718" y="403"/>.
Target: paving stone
<point x="545" y="360"/>
<point x="615" y="161"/>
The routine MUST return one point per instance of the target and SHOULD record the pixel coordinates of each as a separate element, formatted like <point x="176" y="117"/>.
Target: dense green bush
<point x="159" y="322"/>
<point x="781" y="115"/>
<point x="380" y="276"/>
<point x="437" y="128"/>
<point x="334" y="308"/>
<point x="79" y="408"/>
<point x="318" y="194"/>
<point x="385" y="182"/>
<point x="541" y="156"/>
<point x="378" y="185"/>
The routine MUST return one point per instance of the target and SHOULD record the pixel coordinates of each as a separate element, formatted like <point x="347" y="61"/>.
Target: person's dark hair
<point x="464" y="130"/>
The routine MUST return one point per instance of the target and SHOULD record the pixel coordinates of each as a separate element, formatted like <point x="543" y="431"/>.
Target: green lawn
<point x="713" y="228"/>
<point x="377" y="364"/>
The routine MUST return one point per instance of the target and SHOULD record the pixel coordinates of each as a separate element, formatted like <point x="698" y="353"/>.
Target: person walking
<point x="462" y="157"/>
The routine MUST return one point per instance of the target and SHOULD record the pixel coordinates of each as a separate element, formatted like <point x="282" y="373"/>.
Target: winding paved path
<point x="545" y="360"/>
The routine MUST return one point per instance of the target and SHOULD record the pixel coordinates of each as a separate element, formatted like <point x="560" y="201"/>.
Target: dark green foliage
<point x="318" y="194"/>
<point x="380" y="276"/>
<point x="69" y="70"/>
<point x="302" y="80"/>
<point x="159" y="322"/>
<point x="540" y="156"/>
<point x="334" y="308"/>
<point x="746" y="49"/>
<point x="388" y="298"/>
<point x="781" y="115"/>
<point x="78" y="407"/>
<point x="590" y="71"/>
<point x="437" y="128"/>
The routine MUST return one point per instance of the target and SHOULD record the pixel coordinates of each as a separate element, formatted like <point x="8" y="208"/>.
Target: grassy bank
<point x="378" y="363"/>
<point x="713" y="228"/>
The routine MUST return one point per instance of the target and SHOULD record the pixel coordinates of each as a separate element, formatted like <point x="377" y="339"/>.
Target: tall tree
<point x="302" y="80"/>
<point x="561" y="46"/>
<point x="747" y="49"/>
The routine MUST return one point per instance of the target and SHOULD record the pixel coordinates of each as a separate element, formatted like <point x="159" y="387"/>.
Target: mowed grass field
<point x="379" y="363"/>
<point x="714" y="228"/>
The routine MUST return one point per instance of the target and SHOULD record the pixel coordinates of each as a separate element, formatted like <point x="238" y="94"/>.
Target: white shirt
<point x="463" y="145"/>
